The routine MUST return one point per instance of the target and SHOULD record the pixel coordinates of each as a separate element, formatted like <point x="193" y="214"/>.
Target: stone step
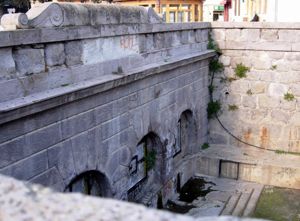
<point x="231" y="204"/>
<point x="251" y="205"/>
<point x="242" y="203"/>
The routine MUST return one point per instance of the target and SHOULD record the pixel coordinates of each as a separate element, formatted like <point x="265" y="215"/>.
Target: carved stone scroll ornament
<point x="46" y="15"/>
<point x="14" y="21"/>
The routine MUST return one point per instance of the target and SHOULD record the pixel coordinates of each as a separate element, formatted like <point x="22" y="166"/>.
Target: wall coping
<point x="21" y="107"/>
<point x="47" y="35"/>
<point x="255" y="25"/>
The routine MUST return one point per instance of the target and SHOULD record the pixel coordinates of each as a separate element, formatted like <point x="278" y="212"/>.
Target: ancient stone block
<point x="249" y="101"/>
<point x="225" y="60"/>
<point x="280" y="116"/>
<point x="263" y="62"/>
<point x="218" y="34"/>
<point x="50" y="178"/>
<point x="7" y="66"/>
<point x="61" y="157"/>
<point x="184" y="37"/>
<point x="267" y="102"/>
<point x="43" y="138"/>
<point x="257" y="88"/>
<point x="250" y="35"/>
<point x="269" y="34"/>
<point x="69" y="126"/>
<point x="34" y="165"/>
<point x="73" y="50"/>
<point x="232" y="34"/>
<point x="276" y="90"/>
<point x="54" y="54"/>
<point x="29" y="61"/>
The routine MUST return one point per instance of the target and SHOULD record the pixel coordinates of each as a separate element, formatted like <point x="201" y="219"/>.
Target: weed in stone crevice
<point x="212" y="46"/>
<point x="232" y="107"/>
<point x="273" y="67"/>
<point x="289" y="96"/>
<point x="241" y="70"/>
<point x="213" y="109"/>
<point x="249" y="92"/>
<point x="205" y="146"/>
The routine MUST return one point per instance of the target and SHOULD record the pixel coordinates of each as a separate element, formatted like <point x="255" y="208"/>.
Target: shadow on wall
<point x="92" y="183"/>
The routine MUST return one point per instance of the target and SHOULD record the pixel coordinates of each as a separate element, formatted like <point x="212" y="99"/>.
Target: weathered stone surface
<point x="34" y="165"/>
<point x="29" y="61"/>
<point x="54" y="54"/>
<point x="249" y="101"/>
<point x="7" y="66"/>
<point x="250" y="35"/>
<point x="277" y="90"/>
<point x="269" y="35"/>
<point x="73" y="50"/>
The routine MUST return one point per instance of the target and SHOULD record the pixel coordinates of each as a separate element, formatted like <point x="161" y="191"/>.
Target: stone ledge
<point x="35" y="103"/>
<point x="255" y="25"/>
<point x="48" y="35"/>
<point x="21" y="201"/>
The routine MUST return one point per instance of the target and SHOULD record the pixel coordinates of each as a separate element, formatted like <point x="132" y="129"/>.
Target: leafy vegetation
<point x="289" y="96"/>
<point x="205" y="146"/>
<point x="249" y="92"/>
<point x="274" y="67"/>
<point x="211" y="45"/>
<point x="213" y="109"/>
<point x="241" y="70"/>
<point x="232" y="107"/>
<point x="278" y="204"/>
<point x="215" y="66"/>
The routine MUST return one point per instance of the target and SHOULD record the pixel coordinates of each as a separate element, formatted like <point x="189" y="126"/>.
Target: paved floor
<point x="229" y="197"/>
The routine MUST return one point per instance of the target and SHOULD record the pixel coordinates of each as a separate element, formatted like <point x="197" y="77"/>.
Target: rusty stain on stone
<point x="264" y="137"/>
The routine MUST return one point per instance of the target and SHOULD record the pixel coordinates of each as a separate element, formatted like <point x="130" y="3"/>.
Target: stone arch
<point x="186" y="133"/>
<point x="148" y="168"/>
<point x="90" y="182"/>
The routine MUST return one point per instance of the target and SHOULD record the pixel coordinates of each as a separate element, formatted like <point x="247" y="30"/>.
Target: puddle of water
<point x="194" y="188"/>
<point x="190" y="191"/>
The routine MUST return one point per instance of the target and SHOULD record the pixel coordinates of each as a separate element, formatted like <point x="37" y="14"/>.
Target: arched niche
<point x="186" y="134"/>
<point x="92" y="183"/>
<point x="147" y="167"/>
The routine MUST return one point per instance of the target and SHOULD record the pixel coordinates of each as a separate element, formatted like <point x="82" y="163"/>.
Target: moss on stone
<point x="278" y="204"/>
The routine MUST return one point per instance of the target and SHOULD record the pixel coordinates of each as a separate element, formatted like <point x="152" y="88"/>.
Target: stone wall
<point x="83" y="97"/>
<point x="264" y="117"/>
<point x="259" y="138"/>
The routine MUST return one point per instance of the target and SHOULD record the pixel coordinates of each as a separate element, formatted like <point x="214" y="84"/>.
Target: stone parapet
<point x="67" y="14"/>
<point x="20" y="201"/>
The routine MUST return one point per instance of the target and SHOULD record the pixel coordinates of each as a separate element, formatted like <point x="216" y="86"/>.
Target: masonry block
<point x="54" y="54"/>
<point x="73" y="50"/>
<point x="29" y="60"/>
<point x="8" y="67"/>
<point x="27" y="168"/>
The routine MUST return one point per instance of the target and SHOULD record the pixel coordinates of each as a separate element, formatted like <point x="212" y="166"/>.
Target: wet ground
<point x="210" y="196"/>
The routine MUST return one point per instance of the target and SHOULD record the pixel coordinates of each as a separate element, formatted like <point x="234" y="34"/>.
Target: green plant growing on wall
<point x="213" y="109"/>
<point x="249" y="92"/>
<point x="205" y="146"/>
<point x="212" y="46"/>
<point x="289" y="96"/>
<point x="241" y="70"/>
<point x="150" y="159"/>
<point x="232" y="107"/>
<point x="274" y="67"/>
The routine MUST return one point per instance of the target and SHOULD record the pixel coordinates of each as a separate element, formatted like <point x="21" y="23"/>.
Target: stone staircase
<point x="242" y="203"/>
<point x="233" y="197"/>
